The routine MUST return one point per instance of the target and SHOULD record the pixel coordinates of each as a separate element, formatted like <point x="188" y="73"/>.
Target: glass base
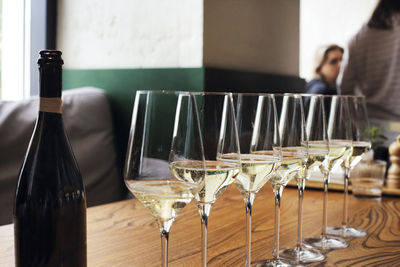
<point x="306" y="254"/>
<point x="325" y="243"/>
<point x="346" y="231"/>
<point x="270" y="263"/>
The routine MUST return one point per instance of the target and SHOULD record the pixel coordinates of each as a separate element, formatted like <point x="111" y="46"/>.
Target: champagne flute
<point x="361" y="144"/>
<point x="219" y="133"/>
<point x="150" y="155"/>
<point x="339" y="137"/>
<point x="294" y="149"/>
<point x="259" y="149"/>
<point x="317" y="151"/>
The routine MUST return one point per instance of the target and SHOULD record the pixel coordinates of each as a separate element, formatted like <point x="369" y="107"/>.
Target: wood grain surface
<point x="125" y="234"/>
<point x="312" y="184"/>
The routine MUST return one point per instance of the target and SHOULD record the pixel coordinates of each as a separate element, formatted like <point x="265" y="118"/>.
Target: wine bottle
<point x="50" y="200"/>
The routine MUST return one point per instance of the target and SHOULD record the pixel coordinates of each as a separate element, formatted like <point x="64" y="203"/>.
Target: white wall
<point x="258" y="35"/>
<point x="255" y="35"/>
<point x="130" y="33"/>
<point x="329" y="21"/>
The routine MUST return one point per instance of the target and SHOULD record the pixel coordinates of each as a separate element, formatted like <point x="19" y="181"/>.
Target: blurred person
<point x="327" y="62"/>
<point x="371" y="67"/>
<point x="372" y="63"/>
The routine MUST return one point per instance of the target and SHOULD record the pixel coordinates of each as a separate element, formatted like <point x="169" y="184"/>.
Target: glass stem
<point x="278" y="189"/>
<point x="249" y="210"/>
<point x="204" y="210"/>
<point x="325" y="205"/>
<point x="164" y="248"/>
<point x="300" y="184"/>
<point x="346" y="196"/>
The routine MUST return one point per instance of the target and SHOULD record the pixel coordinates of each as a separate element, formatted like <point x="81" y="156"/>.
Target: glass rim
<point x="253" y="94"/>
<point x="307" y="94"/>
<point x="161" y="91"/>
<point x="210" y="93"/>
<point x="295" y="95"/>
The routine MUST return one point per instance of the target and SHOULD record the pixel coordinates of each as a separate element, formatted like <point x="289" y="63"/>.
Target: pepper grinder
<point x="393" y="178"/>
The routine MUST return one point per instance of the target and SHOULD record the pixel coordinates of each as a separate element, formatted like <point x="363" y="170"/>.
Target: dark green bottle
<point x="50" y="200"/>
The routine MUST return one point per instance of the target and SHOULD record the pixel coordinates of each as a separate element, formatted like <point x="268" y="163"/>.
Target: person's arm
<point x="347" y="78"/>
<point x="317" y="88"/>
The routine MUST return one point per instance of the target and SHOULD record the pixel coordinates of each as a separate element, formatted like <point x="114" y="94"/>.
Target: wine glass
<point x="360" y="145"/>
<point x="294" y="149"/>
<point x="219" y="133"/>
<point x="339" y="137"/>
<point x="317" y="151"/>
<point x="259" y="149"/>
<point x="151" y="155"/>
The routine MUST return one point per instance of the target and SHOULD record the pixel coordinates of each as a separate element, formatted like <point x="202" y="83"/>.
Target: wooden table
<point x="125" y="234"/>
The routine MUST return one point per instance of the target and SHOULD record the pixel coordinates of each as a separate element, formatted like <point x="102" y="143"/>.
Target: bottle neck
<point x="50" y="80"/>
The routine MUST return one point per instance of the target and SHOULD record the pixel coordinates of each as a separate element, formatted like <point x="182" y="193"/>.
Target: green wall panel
<point x="121" y="85"/>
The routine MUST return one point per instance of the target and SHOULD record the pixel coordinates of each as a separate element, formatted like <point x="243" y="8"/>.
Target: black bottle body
<point x="50" y="200"/>
<point x="50" y="203"/>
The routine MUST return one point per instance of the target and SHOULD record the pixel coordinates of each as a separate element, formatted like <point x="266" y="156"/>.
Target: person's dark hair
<point x="382" y="16"/>
<point x="325" y="56"/>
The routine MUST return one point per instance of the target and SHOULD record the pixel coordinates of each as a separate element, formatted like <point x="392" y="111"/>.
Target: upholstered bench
<point x="89" y="126"/>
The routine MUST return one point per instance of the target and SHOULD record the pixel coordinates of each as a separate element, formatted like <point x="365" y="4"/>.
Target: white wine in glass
<point x="219" y="135"/>
<point x="163" y="198"/>
<point x="317" y="153"/>
<point x="255" y="171"/>
<point x="150" y="155"/>
<point x="359" y="150"/>
<point x="360" y="145"/>
<point x="291" y="166"/>
<point x="217" y="176"/>
<point x="294" y="153"/>
<point x="339" y="144"/>
<point x="259" y="150"/>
